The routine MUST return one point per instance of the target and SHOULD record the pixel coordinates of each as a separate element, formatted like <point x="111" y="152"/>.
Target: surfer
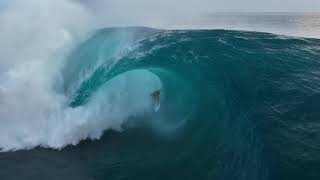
<point x="156" y="98"/>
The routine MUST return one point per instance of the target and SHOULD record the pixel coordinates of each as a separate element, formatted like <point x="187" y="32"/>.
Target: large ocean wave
<point x="234" y="98"/>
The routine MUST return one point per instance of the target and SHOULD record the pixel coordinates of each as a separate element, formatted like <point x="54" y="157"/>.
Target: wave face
<point x="234" y="105"/>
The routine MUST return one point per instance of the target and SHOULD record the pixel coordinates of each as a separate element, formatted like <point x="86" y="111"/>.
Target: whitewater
<point x="35" y="106"/>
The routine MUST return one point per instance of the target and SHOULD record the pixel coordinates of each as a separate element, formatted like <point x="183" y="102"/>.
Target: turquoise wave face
<point x="233" y="104"/>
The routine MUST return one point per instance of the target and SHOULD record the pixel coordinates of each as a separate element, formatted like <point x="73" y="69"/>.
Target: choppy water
<point x="234" y="105"/>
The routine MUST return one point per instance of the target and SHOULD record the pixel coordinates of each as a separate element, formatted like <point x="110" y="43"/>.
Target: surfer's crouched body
<point x="156" y="95"/>
<point x="156" y="99"/>
<point x="145" y="118"/>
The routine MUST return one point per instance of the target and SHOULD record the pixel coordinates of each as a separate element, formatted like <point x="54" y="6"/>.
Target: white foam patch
<point x="42" y="118"/>
<point x="35" y="37"/>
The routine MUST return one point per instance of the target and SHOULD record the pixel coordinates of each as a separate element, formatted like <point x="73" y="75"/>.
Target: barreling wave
<point x="234" y="98"/>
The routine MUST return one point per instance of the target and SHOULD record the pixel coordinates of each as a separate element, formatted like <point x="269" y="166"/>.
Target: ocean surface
<point x="238" y="101"/>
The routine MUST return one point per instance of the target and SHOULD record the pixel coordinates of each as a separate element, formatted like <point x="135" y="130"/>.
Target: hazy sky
<point x="265" y="5"/>
<point x="218" y="5"/>
<point x="226" y="5"/>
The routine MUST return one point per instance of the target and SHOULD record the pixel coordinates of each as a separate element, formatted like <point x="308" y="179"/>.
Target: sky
<point x="218" y="5"/>
<point x="213" y="5"/>
<point x="266" y="5"/>
<point x="164" y="13"/>
<point x="153" y="13"/>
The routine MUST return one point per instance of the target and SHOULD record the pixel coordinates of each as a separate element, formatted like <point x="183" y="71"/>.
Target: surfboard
<point x="157" y="107"/>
